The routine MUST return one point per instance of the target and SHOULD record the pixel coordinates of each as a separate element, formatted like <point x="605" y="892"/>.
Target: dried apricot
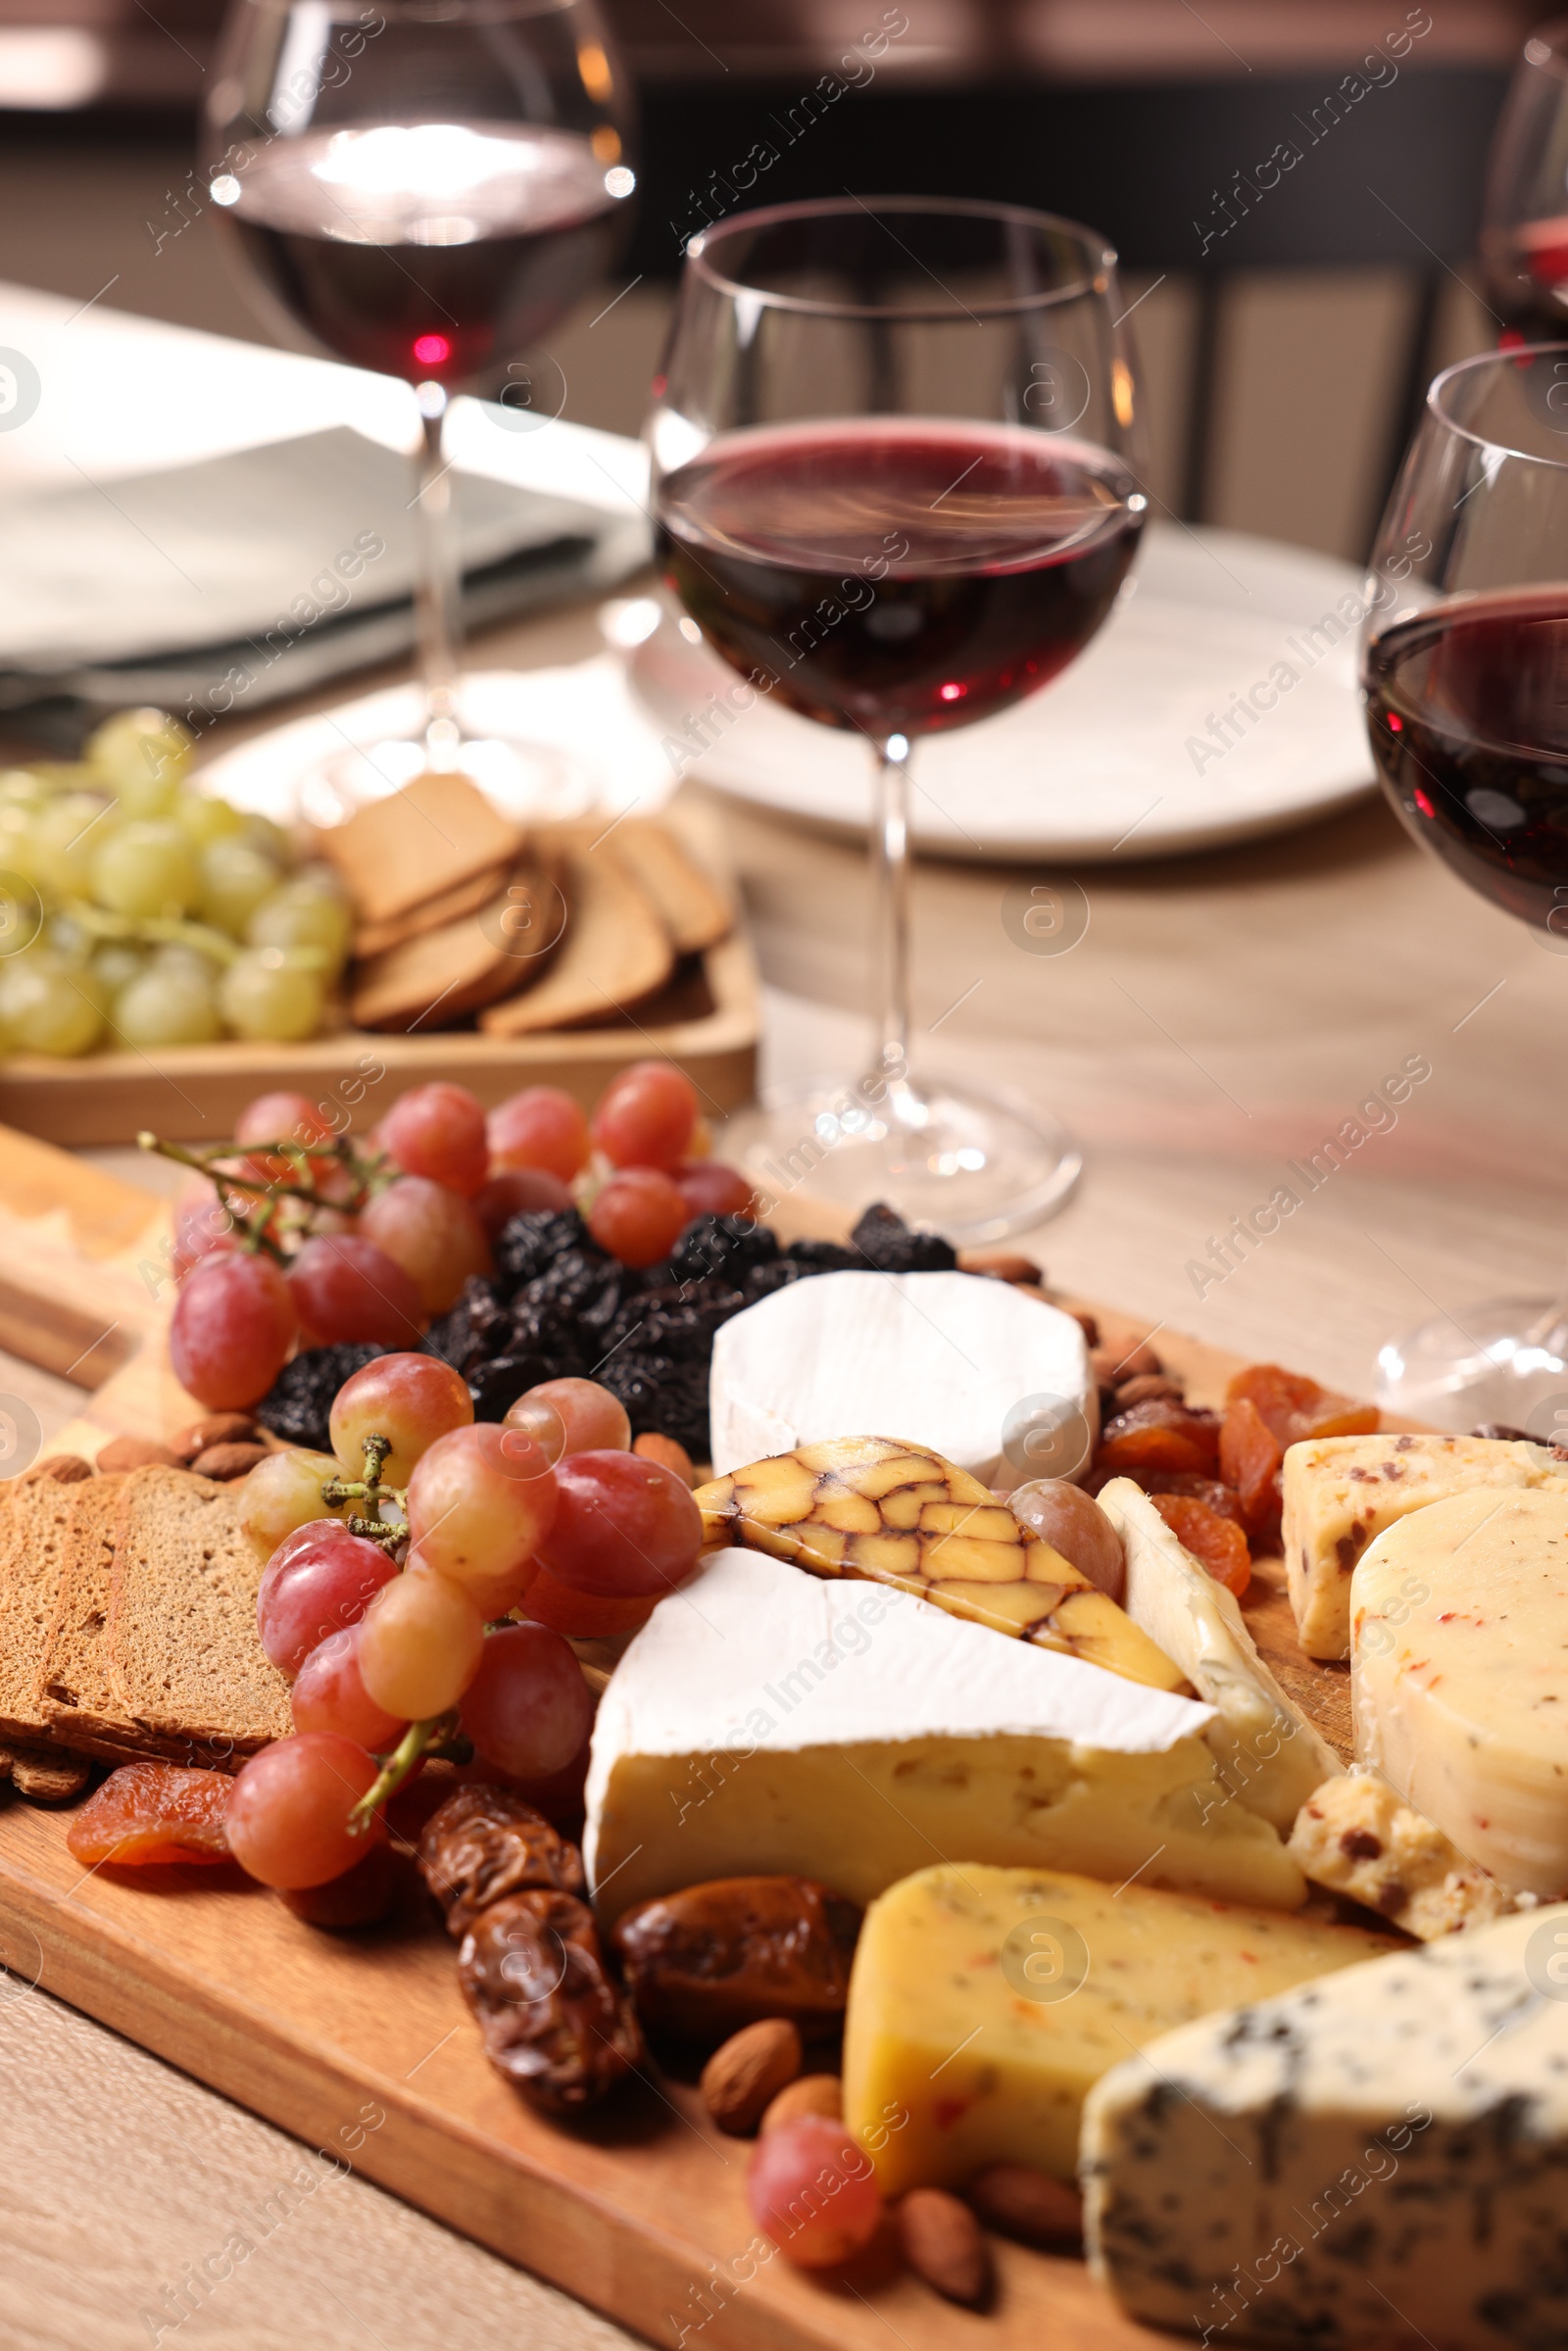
<point x="1159" y="1433"/>
<point x="1293" y="1408"/>
<point x="1218" y="1543"/>
<point x="147" y="1812"/>
<point x="1221" y="1499"/>
<point x="1249" y="1458"/>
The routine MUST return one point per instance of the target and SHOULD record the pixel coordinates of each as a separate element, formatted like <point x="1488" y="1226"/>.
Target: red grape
<point x="571" y="1416"/>
<point x="527" y="1709"/>
<point x="329" y="1695"/>
<point x="518" y="1192"/>
<point x="479" y="1501"/>
<point x="436" y="1236"/>
<point x="711" y="1189"/>
<point x="202" y="1225"/>
<point x="639" y="1216"/>
<point x="813" y="2190"/>
<point x="283" y="1494"/>
<point x="645" y="1117"/>
<point x="419" y="1645"/>
<point x="233" y="1328"/>
<point x="624" y="1528"/>
<point x="583" y="1615"/>
<point x="289" y="1810"/>
<point x="439" y="1131"/>
<point x="539" y="1127"/>
<point x="412" y="1399"/>
<point x="345" y="1287"/>
<point x="311" y="1588"/>
<point x="278" y="1118"/>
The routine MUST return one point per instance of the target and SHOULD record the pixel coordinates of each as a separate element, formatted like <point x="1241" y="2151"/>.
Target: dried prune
<point x="299" y="1404"/>
<point x="826" y="1256"/>
<point x="475" y="1327"/>
<point x="886" y="1241"/>
<point x="485" y="1843"/>
<point x="722" y="1244"/>
<point x="551" y="2017"/>
<point x="714" y="1957"/>
<point x="495" y="1385"/>
<point x="530" y="1243"/>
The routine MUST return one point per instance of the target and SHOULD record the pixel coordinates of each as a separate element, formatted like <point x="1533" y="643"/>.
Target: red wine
<point x="435" y="250"/>
<point x="1527" y="278"/>
<point x="1467" y="707"/>
<point x="898" y="574"/>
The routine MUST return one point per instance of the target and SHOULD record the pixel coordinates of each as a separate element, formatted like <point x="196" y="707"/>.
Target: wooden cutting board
<point x="362" y="2044"/>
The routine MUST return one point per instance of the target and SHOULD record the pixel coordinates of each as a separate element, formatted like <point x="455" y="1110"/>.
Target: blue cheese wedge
<point x="1342" y="1492"/>
<point x="764" y="1720"/>
<point x="947" y="1359"/>
<point x="1377" y="2158"/>
<point x="1270" y="1756"/>
<point x="1459" y="1677"/>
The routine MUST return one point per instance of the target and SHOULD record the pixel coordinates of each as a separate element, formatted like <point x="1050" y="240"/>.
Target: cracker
<point x="449" y="906"/>
<point x="614" y="952"/>
<point x="435" y="978"/>
<point x="695" y="911"/>
<point x="437" y="833"/>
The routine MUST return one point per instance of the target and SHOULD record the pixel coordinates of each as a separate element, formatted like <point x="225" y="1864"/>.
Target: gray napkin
<point x="282" y="567"/>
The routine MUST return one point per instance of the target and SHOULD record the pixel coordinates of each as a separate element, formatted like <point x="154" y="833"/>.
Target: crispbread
<point x="35" y="1518"/>
<point x="184" y="1661"/>
<point x="615" y="949"/>
<point x="695" y="911"/>
<point x="448" y="906"/>
<point x="435" y="834"/>
<point x="442" y="974"/>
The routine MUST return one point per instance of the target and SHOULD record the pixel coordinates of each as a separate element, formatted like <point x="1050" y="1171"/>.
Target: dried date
<point x="551" y="2019"/>
<point x="484" y="1844"/>
<point x="708" y="1960"/>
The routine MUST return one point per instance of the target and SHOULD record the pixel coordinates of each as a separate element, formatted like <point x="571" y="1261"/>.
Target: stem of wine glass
<point x="890" y="915"/>
<point x="435" y="585"/>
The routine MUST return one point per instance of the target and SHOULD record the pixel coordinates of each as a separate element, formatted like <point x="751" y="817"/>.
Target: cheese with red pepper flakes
<point x="985" y="2003"/>
<point x="1353" y="1835"/>
<point x="1342" y="1492"/>
<point x="1459" y="1677"/>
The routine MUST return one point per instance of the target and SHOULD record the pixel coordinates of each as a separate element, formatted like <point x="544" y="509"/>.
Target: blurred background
<point x="1288" y="314"/>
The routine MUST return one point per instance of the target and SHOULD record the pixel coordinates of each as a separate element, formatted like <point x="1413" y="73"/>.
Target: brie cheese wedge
<point x="1269" y="1755"/>
<point x="995" y="1381"/>
<point x="764" y="1720"/>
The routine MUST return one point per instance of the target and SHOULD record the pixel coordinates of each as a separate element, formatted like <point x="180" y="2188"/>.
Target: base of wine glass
<point x="954" y="1158"/>
<point x="1505" y="1360"/>
<point x="529" y="780"/>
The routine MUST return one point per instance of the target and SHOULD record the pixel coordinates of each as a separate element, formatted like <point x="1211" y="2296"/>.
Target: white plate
<point x="1116" y="754"/>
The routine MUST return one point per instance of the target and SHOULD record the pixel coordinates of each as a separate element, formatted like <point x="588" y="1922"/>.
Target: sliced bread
<point x="695" y="911"/>
<point x="36" y="1514"/>
<point x="614" y="952"/>
<point x="74" y="1693"/>
<point x="184" y="1661"/>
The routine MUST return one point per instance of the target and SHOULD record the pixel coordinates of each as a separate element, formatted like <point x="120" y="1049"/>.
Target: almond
<point x="1146" y="1384"/>
<point x="744" y="2077"/>
<point x="1000" y="1264"/>
<point x="218" y="1428"/>
<point x="226" y="1461"/>
<point x="134" y="1452"/>
<point x="813" y="2093"/>
<point x="1020" y="2201"/>
<point x="943" y="2243"/>
<point x="1116" y="1362"/>
<point x="667" y="1453"/>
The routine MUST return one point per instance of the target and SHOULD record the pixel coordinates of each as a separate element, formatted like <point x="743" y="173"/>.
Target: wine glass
<point x="1464" y="653"/>
<point x="1524" y="232"/>
<point x="892" y="459"/>
<point x="424" y="187"/>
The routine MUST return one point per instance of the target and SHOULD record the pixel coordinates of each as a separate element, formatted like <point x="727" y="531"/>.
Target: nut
<point x="228" y="1461"/>
<point x="1000" y="1264"/>
<point x="1086" y="1323"/>
<point x="743" y="2076"/>
<point x="1020" y="2201"/>
<point x="218" y="1428"/>
<point x="135" y="1453"/>
<point x="943" y="2243"/>
<point x="1114" y="1362"/>
<point x="813" y="2093"/>
<point x="667" y="1453"/>
<point x="1146" y="1384"/>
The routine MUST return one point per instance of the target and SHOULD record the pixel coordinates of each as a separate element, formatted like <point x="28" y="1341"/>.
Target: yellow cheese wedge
<point x="890" y="1512"/>
<point x="985" y="2003"/>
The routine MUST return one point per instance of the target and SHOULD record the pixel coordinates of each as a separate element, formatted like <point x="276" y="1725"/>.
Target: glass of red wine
<point x="893" y="454"/>
<point x="423" y="188"/>
<point x="1465" y="678"/>
<point x="1524" y="234"/>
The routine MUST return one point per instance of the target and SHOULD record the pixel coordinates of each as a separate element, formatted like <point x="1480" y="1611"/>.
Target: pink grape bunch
<point x="491" y="1543"/>
<point x="289" y="1236"/>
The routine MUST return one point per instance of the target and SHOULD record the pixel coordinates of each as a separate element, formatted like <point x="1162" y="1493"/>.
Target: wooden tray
<point x="362" y="2045"/>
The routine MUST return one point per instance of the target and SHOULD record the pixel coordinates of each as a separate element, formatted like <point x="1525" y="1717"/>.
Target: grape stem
<point x="400" y="1765"/>
<point x="369" y="1489"/>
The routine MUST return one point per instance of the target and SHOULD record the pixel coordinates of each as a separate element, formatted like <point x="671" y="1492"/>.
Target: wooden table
<point x="1222" y="1015"/>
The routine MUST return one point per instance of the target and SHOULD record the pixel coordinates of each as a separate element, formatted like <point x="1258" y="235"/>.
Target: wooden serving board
<point x="362" y="2045"/>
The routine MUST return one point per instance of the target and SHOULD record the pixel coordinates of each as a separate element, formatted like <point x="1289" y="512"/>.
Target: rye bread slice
<point x="614" y="952"/>
<point x="74" y="1691"/>
<point x="184" y="1661"/>
<point x="36" y="1514"/>
<point x="695" y="911"/>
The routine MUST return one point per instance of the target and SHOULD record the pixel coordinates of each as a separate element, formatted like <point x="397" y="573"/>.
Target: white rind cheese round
<point x="1459" y="1675"/>
<point x="941" y="1359"/>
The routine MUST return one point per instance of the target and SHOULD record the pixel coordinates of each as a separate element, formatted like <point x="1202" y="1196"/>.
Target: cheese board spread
<point x="800" y="1883"/>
